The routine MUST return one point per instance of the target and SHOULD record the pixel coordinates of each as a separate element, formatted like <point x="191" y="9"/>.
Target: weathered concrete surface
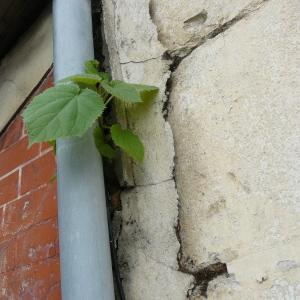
<point x="183" y="22"/>
<point x="148" y="122"/>
<point x="236" y="122"/>
<point x="24" y="66"/>
<point x="234" y="114"/>
<point x="147" y="245"/>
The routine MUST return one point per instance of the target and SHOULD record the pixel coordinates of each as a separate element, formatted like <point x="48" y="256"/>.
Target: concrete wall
<point x="215" y="206"/>
<point x="24" y="66"/>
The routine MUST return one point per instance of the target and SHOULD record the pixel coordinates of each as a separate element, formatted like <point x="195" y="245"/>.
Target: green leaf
<point x="104" y="149"/>
<point x="86" y="79"/>
<point x="128" y="141"/>
<point x="147" y="92"/>
<point x="62" y="111"/>
<point x="131" y="93"/>
<point x="105" y="76"/>
<point x="92" y="66"/>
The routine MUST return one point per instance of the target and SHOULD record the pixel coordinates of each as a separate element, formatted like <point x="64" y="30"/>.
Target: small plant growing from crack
<point x="71" y="107"/>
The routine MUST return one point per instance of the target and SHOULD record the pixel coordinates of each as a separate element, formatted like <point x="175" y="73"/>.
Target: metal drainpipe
<point x="86" y="271"/>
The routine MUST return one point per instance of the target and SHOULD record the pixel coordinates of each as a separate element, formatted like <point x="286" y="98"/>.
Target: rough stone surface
<point x="182" y="23"/>
<point x="148" y="122"/>
<point x="147" y="243"/>
<point x="24" y="67"/>
<point x="235" y="120"/>
<point x="149" y="220"/>
<point x="234" y="115"/>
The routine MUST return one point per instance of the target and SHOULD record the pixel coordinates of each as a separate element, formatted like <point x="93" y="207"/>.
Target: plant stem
<point x="102" y="92"/>
<point x="109" y="99"/>
<point x="105" y="126"/>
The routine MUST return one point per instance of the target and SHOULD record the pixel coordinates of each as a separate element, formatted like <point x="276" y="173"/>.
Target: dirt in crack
<point x="204" y="276"/>
<point x="173" y="64"/>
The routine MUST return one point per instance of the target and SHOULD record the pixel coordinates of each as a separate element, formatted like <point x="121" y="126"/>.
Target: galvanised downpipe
<point x="86" y="271"/>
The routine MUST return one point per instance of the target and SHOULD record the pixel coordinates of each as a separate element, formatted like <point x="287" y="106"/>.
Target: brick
<point x="38" y="243"/>
<point x="31" y="209"/>
<point x="38" y="172"/>
<point x="45" y="146"/>
<point x="8" y="252"/>
<point x="54" y="293"/>
<point x="48" y="198"/>
<point x="16" y="155"/>
<point x="9" y="188"/>
<point x="29" y="263"/>
<point x="39" y="281"/>
<point x="1" y="213"/>
<point x="12" y="134"/>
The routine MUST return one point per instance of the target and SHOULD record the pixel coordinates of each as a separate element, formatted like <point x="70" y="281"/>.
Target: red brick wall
<point x="29" y="257"/>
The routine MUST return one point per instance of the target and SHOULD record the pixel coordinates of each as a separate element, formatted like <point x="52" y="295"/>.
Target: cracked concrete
<point x="233" y="118"/>
<point x="228" y="228"/>
<point x="198" y="20"/>
<point x="147" y="245"/>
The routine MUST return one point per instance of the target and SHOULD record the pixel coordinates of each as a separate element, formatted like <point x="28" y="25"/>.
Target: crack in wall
<point x="154" y="183"/>
<point x="176" y="56"/>
<point x="139" y="61"/>
<point x="202" y="276"/>
<point x="172" y="58"/>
